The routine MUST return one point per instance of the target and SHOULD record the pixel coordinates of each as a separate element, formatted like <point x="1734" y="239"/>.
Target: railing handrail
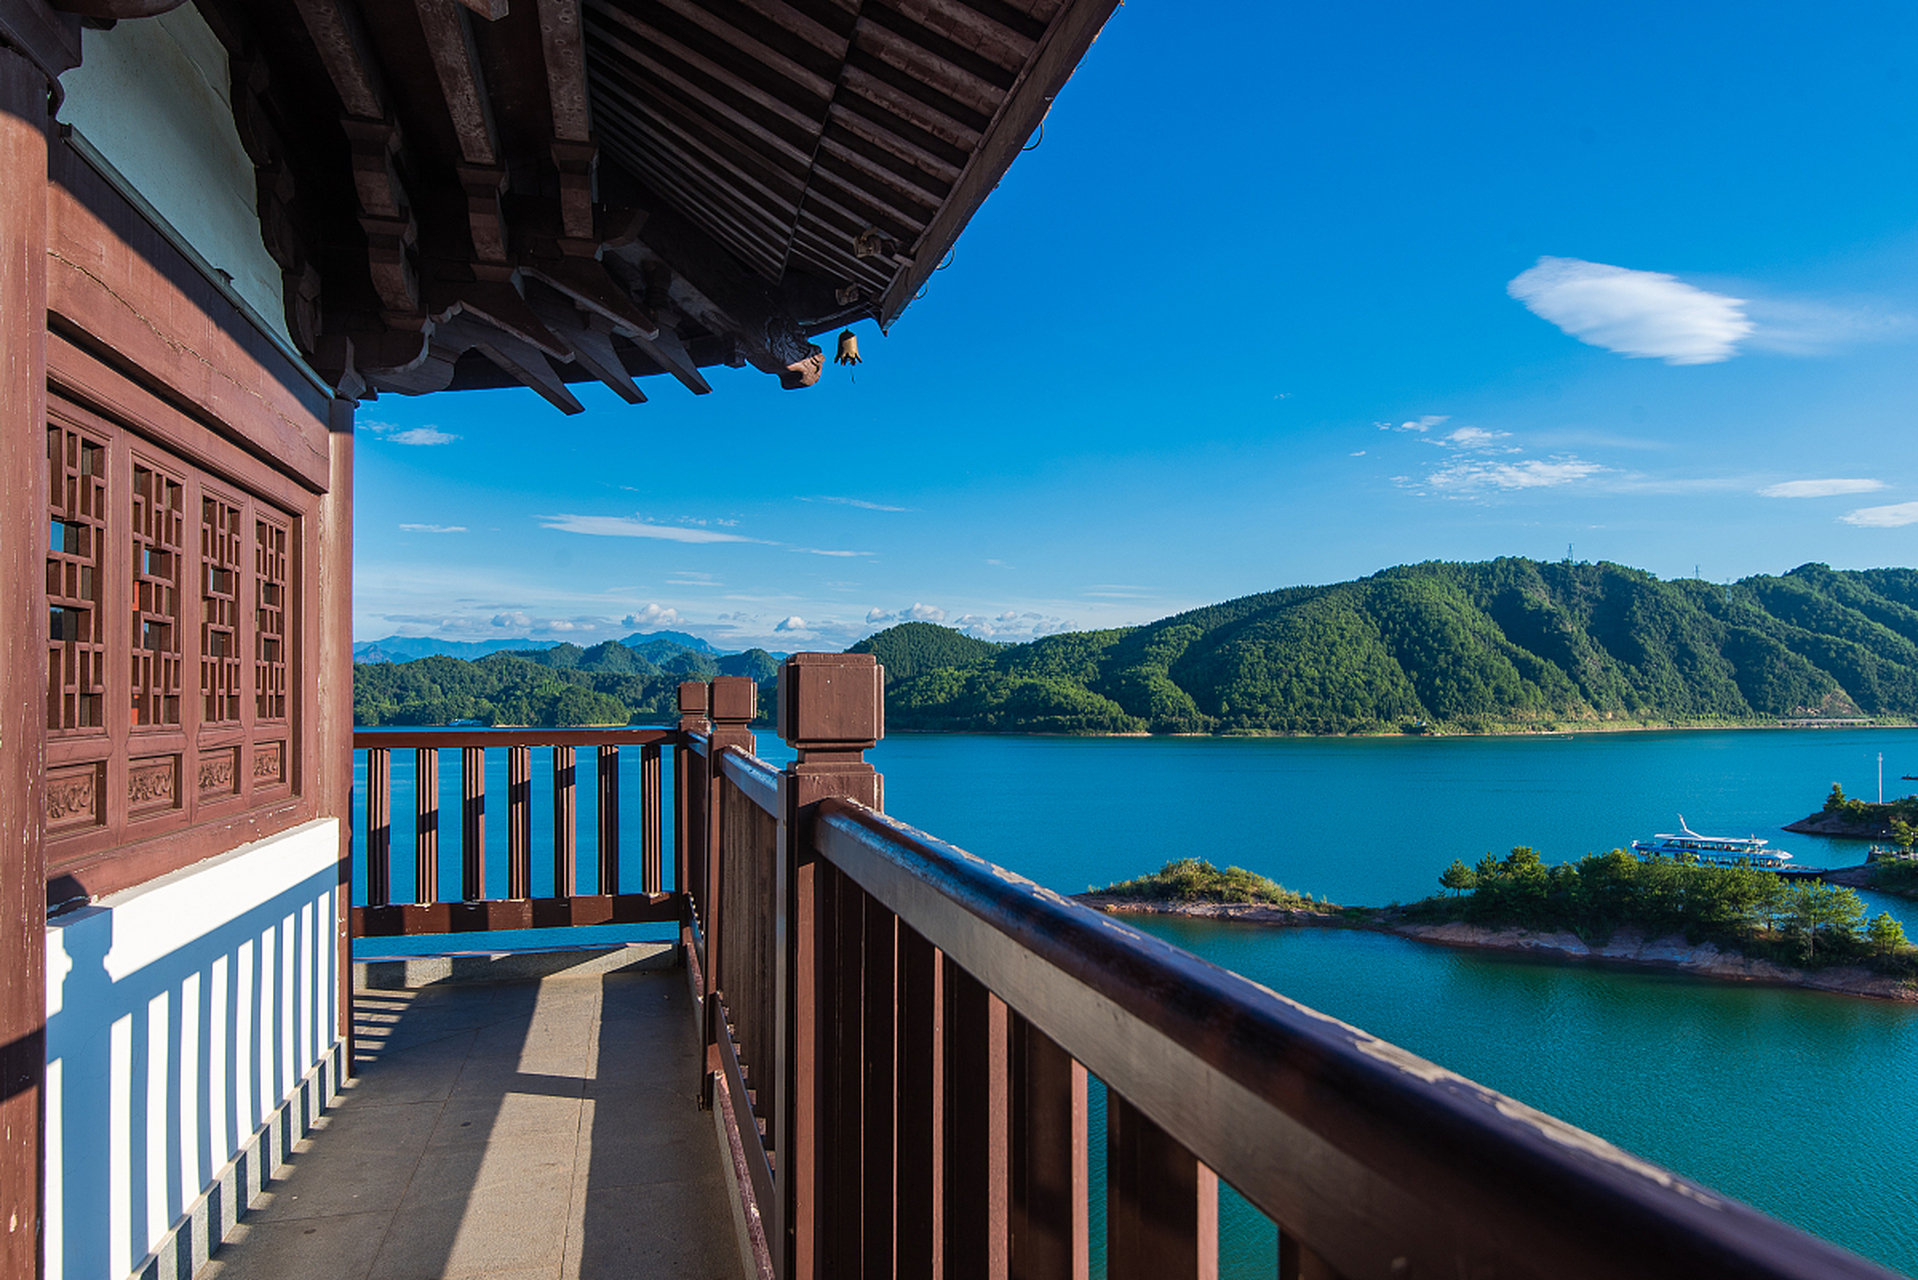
<point x="1375" y="1158"/>
<point x="405" y="736"/>
<point x="756" y="780"/>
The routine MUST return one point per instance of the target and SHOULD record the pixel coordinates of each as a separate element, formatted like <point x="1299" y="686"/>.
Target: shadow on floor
<point x="526" y="1129"/>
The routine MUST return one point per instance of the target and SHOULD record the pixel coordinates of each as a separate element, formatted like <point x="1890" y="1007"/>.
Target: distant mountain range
<point x="407" y="648"/>
<point x="1441" y="647"/>
<point x="631" y="681"/>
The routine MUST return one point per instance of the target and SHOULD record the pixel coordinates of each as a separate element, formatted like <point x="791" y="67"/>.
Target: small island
<point x="1731" y="923"/>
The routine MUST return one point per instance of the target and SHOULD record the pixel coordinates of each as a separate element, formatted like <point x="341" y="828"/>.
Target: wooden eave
<point x="469" y="193"/>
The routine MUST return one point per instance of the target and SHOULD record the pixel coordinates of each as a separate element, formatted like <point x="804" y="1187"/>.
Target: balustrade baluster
<point x="426" y="828"/>
<point x="379" y="826"/>
<point x="472" y="823"/>
<point x="1162" y="1205"/>
<point x="977" y="1149"/>
<point x="1296" y="1262"/>
<point x="565" y="823"/>
<point x="921" y="1163"/>
<point x="1049" y="1165"/>
<point x="649" y="811"/>
<point x="878" y="996"/>
<point x="608" y="819"/>
<point x="519" y="822"/>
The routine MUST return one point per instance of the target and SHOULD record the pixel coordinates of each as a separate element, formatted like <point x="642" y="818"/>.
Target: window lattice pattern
<point x="220" y="567"/>
<point x="159" y="535"/>
<point x="76" y="545"/>
<point x="269" y="620"/>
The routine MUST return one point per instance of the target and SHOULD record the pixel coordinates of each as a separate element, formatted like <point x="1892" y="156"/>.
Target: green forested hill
<point x="607" y="684"/>
<point x="1450" y="647"/>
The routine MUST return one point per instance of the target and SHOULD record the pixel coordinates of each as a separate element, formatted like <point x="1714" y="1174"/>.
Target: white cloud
<point x="861" y="503"/>
<point x="1819" y="488"/>
<point x="411" y="435"/>
<point x="1892" y="517"/>
<point x="1635" y="313"/>
<point x="514" y="619"/>
<point x="652" y="615"/>
<point x="1474" y="476"/>
<point x="432" y="528"/>
<point x="878" y="615"/>
<point x="1008" y="616"/>
<point x="924" y="613"/>
<point x="630" y="527"/>
<point x="1471" y="438"/>
<point x="794" y="623"/>
<point x="1423" y="424"/>
<point x="815" y="551"/>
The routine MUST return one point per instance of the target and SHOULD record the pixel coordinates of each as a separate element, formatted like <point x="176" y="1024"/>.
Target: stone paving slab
<point x="541" y="1129"/>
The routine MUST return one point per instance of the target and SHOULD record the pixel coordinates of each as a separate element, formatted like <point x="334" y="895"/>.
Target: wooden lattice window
<point x="159" y="543"/>
<point x="269" y="619"/>
<point x="76" y="550"/>
<point x="220" y="571"/>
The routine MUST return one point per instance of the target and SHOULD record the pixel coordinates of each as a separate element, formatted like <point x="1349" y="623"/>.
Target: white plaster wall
<point x="153" y="96"/>
<point x="179" y="1014"/>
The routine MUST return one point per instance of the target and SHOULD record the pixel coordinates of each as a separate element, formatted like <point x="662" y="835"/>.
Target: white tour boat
<point x="1712" y="851"/>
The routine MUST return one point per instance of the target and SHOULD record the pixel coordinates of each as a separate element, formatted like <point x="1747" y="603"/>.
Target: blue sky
<point x="1285" y="294"/>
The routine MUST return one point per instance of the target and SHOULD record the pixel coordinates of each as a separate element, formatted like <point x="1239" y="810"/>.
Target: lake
<point x="1797" y="1102"/>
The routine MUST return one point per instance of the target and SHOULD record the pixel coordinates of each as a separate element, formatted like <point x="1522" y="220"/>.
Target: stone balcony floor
<point x="532" y="1129"/>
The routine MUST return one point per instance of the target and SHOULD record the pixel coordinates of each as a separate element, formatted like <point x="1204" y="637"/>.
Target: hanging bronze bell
<point x="848" y="348"/>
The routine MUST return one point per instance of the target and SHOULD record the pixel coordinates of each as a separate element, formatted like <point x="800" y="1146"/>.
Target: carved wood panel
<point x="76" y="553"/>
<point x="158" y="535"/>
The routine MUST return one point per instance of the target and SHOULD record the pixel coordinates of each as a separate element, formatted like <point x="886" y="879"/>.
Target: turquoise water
<point x="1799" y="1103"/>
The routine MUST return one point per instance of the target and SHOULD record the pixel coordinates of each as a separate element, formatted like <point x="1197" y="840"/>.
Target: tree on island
<point x="1885" y="934"/>
<point x="1814" y="906"/>
<point x="1458" y="877"/>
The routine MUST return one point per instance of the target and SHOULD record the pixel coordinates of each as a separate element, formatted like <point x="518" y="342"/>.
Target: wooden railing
<point x="620" y="896"/>
<point x="899" y="1041"/>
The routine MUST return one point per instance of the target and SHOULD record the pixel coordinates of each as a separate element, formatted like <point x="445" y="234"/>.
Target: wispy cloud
<point x="817" y="551"/>
<point x="1475" y="476"/>
<point x="411" y="435"/>
<point x="1635" y="313"/>
<point x="432" y="528"/>
<point x="1819" y="488"/>
<point x="630" y="527"/>
<point x="1425" y="423"/>
<point x="1891" y="517"/>
<point x="861" y="503"/>
<point x="1473" y="439"/>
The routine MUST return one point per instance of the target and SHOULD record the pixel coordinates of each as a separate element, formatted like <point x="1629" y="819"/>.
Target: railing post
<point x="831" y="710"/>
<point x="519" y="822"/>
<point x="688" y="803"/>
<point x="565" y="823"/>
<point x="608" y="819"/>
<point x="650" y="872"/>
<point x="472" y="823"/>
<point x="426" y="826"/>
<point x="379" y="826"/>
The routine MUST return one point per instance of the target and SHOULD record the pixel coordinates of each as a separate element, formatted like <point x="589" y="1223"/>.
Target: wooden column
<point x="831" y="710"/>
<point x="23" y="657"/>
<point x="335" y="709"/>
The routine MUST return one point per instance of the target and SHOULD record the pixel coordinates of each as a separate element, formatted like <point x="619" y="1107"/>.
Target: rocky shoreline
<point x="1626" y="946"/>
<point x="1836" y="824"/>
